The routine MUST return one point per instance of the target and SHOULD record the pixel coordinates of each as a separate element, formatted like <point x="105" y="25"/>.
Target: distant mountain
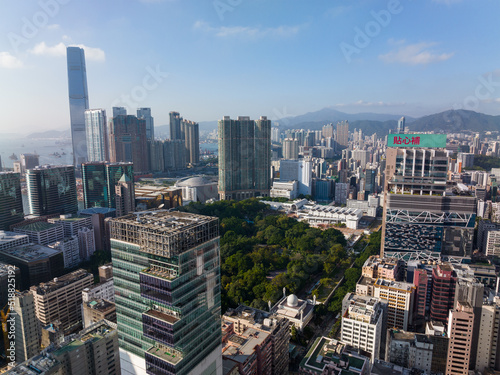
<point x="50" y="134"/>
<point x="454" y="121"/>
<point x="330" y="115"/>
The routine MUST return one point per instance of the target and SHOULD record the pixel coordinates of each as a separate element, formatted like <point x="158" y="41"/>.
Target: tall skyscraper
<point x="99" y="181"/>
<point x="52" y="190"/>
<point x="97" y="135"/>
<point x="119" y="111"/>
<point x="401" y="125"/>
<point x="174" y="154"/>
<point x="166" y="272"/>
<point x="424" y="218"/>
<point x="78" y="102"/>
<point x="145" y="114"/>
<point x="342" y="134"/>
<point x="29" y="161"/>
<point x="175" y="125"/>
<point x="290" y="149"/>
<point x="11" y="200"/>
<point x="128" y="141"/>
<point x="244" y="158"/>
<point x="460" y="327"/>
<point x="190" y="132"/>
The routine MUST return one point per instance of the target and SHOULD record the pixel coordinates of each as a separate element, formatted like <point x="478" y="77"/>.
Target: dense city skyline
<point x="310" y="57"/>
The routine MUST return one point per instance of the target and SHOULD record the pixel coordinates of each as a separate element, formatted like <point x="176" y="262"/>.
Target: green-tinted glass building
<point x="11" y="202"/>
<point x="99" y="180"/>
<point x="52" y="190"/>
<point x="244" y="158"/>
<point x="166" y="271"/>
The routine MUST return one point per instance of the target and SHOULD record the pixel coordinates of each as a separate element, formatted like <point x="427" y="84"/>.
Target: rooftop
<point x="407" y="287"/>
<point x="60" y="282"/>
<point x="6" y="236"/>
<point x="30" y="252"/>
<point x="100" y="305"/>
<point x="38" y="226"/>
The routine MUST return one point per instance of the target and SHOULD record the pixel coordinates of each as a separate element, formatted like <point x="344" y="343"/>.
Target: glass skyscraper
<point x="11" y="202"/>
<point x="99" y="180"/>
<point x="52" y="190"/>
<point x="244" y="158"/>
<point x="97" y="135"/>
<point x="78" y="102"/>
<point x="166" y="271"/>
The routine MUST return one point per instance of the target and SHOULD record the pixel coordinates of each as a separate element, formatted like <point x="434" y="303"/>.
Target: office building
<point x="190" y="132"/>
<point x="37" y="263"/>
<point x="128" y="141"/>
<point x="362" y="323"/>
<point x="422" y="282"/>
<point x="99" y="182"/>
<point x="401" y="125"/>
<point x="385" y="268"/>
<point x="86" y="243"/>
<point x="145" y="114"/>
<point x="244" y="158"/>
<point x="61" y="299"/>
<point x="409" y="349"/>
<point x="400" y="297"/>
<point x="71" y="223"/>
<point x="97" y="135"/>
<point x="41" y="232"/>
<point x="70" y="249"/>
<point x="78" y="102"/>
<point x="104" y="290"/>
<point x="11" y="201"/>
<point x="488" y="345"/>
<point x="443" y="292"/>
<point x="119" y="111"/>
<point x="168" y="313"/>
<point x="460" y="329"/>
<point x="423" y="217"/>
<point x="175" y="126"/>
<point x="270" y="348"/>
<point x="98" y="216"/>
<point x="26" y="326"/>
<point x="94" y="311"/>
<point x="52" y="190"/>
<point x="290" y="149"/>
<point x="298" y="170"/>
<point x="94" y="350"/>
<point x="28" y="161"/>
<point x="492" y="245"/>
<point x="124" y="196"/>
<point x="342" y="134"/>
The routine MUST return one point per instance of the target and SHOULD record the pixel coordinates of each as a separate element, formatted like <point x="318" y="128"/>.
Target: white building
<point x="86" y="242"/>
<point x="488" y="348"/>
<point x="197" y="189"/>
<point x="400" y="296"/>
<point x="282" y="189"/>
<point x="12" y="239"/>
<point x="105" y="290"/>
<point x="492" y="247"/>
<point x="298" y="170"/>
<point x="317" y="214"/>
<point x="70" y="249"/>
<point x="97" y="135"/>
<point x="298" y="311"/>
<point x="362" y="325"/>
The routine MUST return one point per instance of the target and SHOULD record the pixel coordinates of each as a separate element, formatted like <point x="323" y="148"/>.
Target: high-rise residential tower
<point x="52" y="190"/>
<point x="11" y="200"/>
<point x="145" y="114"/>
<point x="190" y="132"/>
<point x="97" y="135"/>
<point x="342" y="134"/>
<point x="175" y="125"/>
<point x="119" y="111"/>
<point x="166" y="272"/>
<point x="78" y="102"/>
<point x="244" y="158"/>
<point x="128" y="141"/>
<point x="290" y="149"/>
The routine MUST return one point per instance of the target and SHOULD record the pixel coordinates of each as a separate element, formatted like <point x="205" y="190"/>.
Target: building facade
<point x="128" y="141"/>
<point x="97" y="135"/>
<point x="145" y="114"/>
<point x="11" y="200"/>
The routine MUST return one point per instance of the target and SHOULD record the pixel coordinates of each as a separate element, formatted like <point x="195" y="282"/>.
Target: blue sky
<point x="207" y="59"/>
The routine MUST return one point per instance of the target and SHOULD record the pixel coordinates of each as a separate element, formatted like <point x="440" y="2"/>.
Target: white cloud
<point x="58" y="50"/>
<point x="9" y="61"/>
<point x="246" y="31"/>
<point x="415" y="54"/>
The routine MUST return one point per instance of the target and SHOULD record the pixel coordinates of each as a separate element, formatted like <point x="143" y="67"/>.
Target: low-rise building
<point x="298" y="311"/>
<point x="103" y="290"/>
<point x="285" y="189"/>
<point x="409" y="349"/>
<point x="385" y="268"/>
<point x="41" y="232"/>
<point x="330" y="215"/>
<point x="96" y="310"/>
<point x="12" y="239"/>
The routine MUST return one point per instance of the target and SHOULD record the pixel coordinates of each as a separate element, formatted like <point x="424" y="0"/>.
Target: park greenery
<point x="485" y="163"/>
<point x="263" y="252"/>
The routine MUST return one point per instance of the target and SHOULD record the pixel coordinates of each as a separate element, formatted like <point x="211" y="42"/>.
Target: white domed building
<point x="197" y="189"/>
<point x="298" y="311"/>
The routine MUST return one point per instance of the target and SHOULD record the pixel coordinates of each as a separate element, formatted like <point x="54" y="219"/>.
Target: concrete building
<point x="105" y="273"/>
<point x="41" y="232"/>
<point x="149" y="197"/>
<point x="12" y="239"/>
<point x="128" y="141"/>
<point x="244" y="320"/>
<point x="70" y="249"/>
<point x="298" y="170"/>
<point x="290" y="149"/>
<point x="400" y="297"/>
<point x="104" y="290"/>
<point x="341" y="193"/>
<point x="244" y="158"/>
<point x="460" y="327"/>
<point x="330" y="356"/>
<point x="443" y="292"/>
<point x="96" y="129"/>
<point x="492" y="246"/>
<point x="282" y="189"/>
<point x="71" y="223"/>
<point x="27" y="327"/>
<point x="437" y="333"/>
<point x="94" y="311"/>
<point x="488" y="345"/>
<point x="385" y="268"/>
<point x="409" y="349"/>
<point x="330" y="215"/>
<point x="11" y="200"/>
<point x="190" y="132"/>
<point x="298" y="311"/>
<point x="161" y="301"/>
<point x="98" y="216"/>
<point x="342" y="134"/>
<point x="362" y="324"/>
<point x="61" y="299"/>
<point x="37" y="263"/>
<point x="145" y="114"/>
<point x="124" y="196"/>
<point x="197" y="189"/>
<point x="86" y="243"/>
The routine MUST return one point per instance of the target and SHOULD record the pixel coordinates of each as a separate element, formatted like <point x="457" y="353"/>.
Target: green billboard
<point x="417" y="140"/>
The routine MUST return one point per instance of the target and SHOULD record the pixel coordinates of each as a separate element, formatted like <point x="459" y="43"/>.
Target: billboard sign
<point x="417" y="140"/>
